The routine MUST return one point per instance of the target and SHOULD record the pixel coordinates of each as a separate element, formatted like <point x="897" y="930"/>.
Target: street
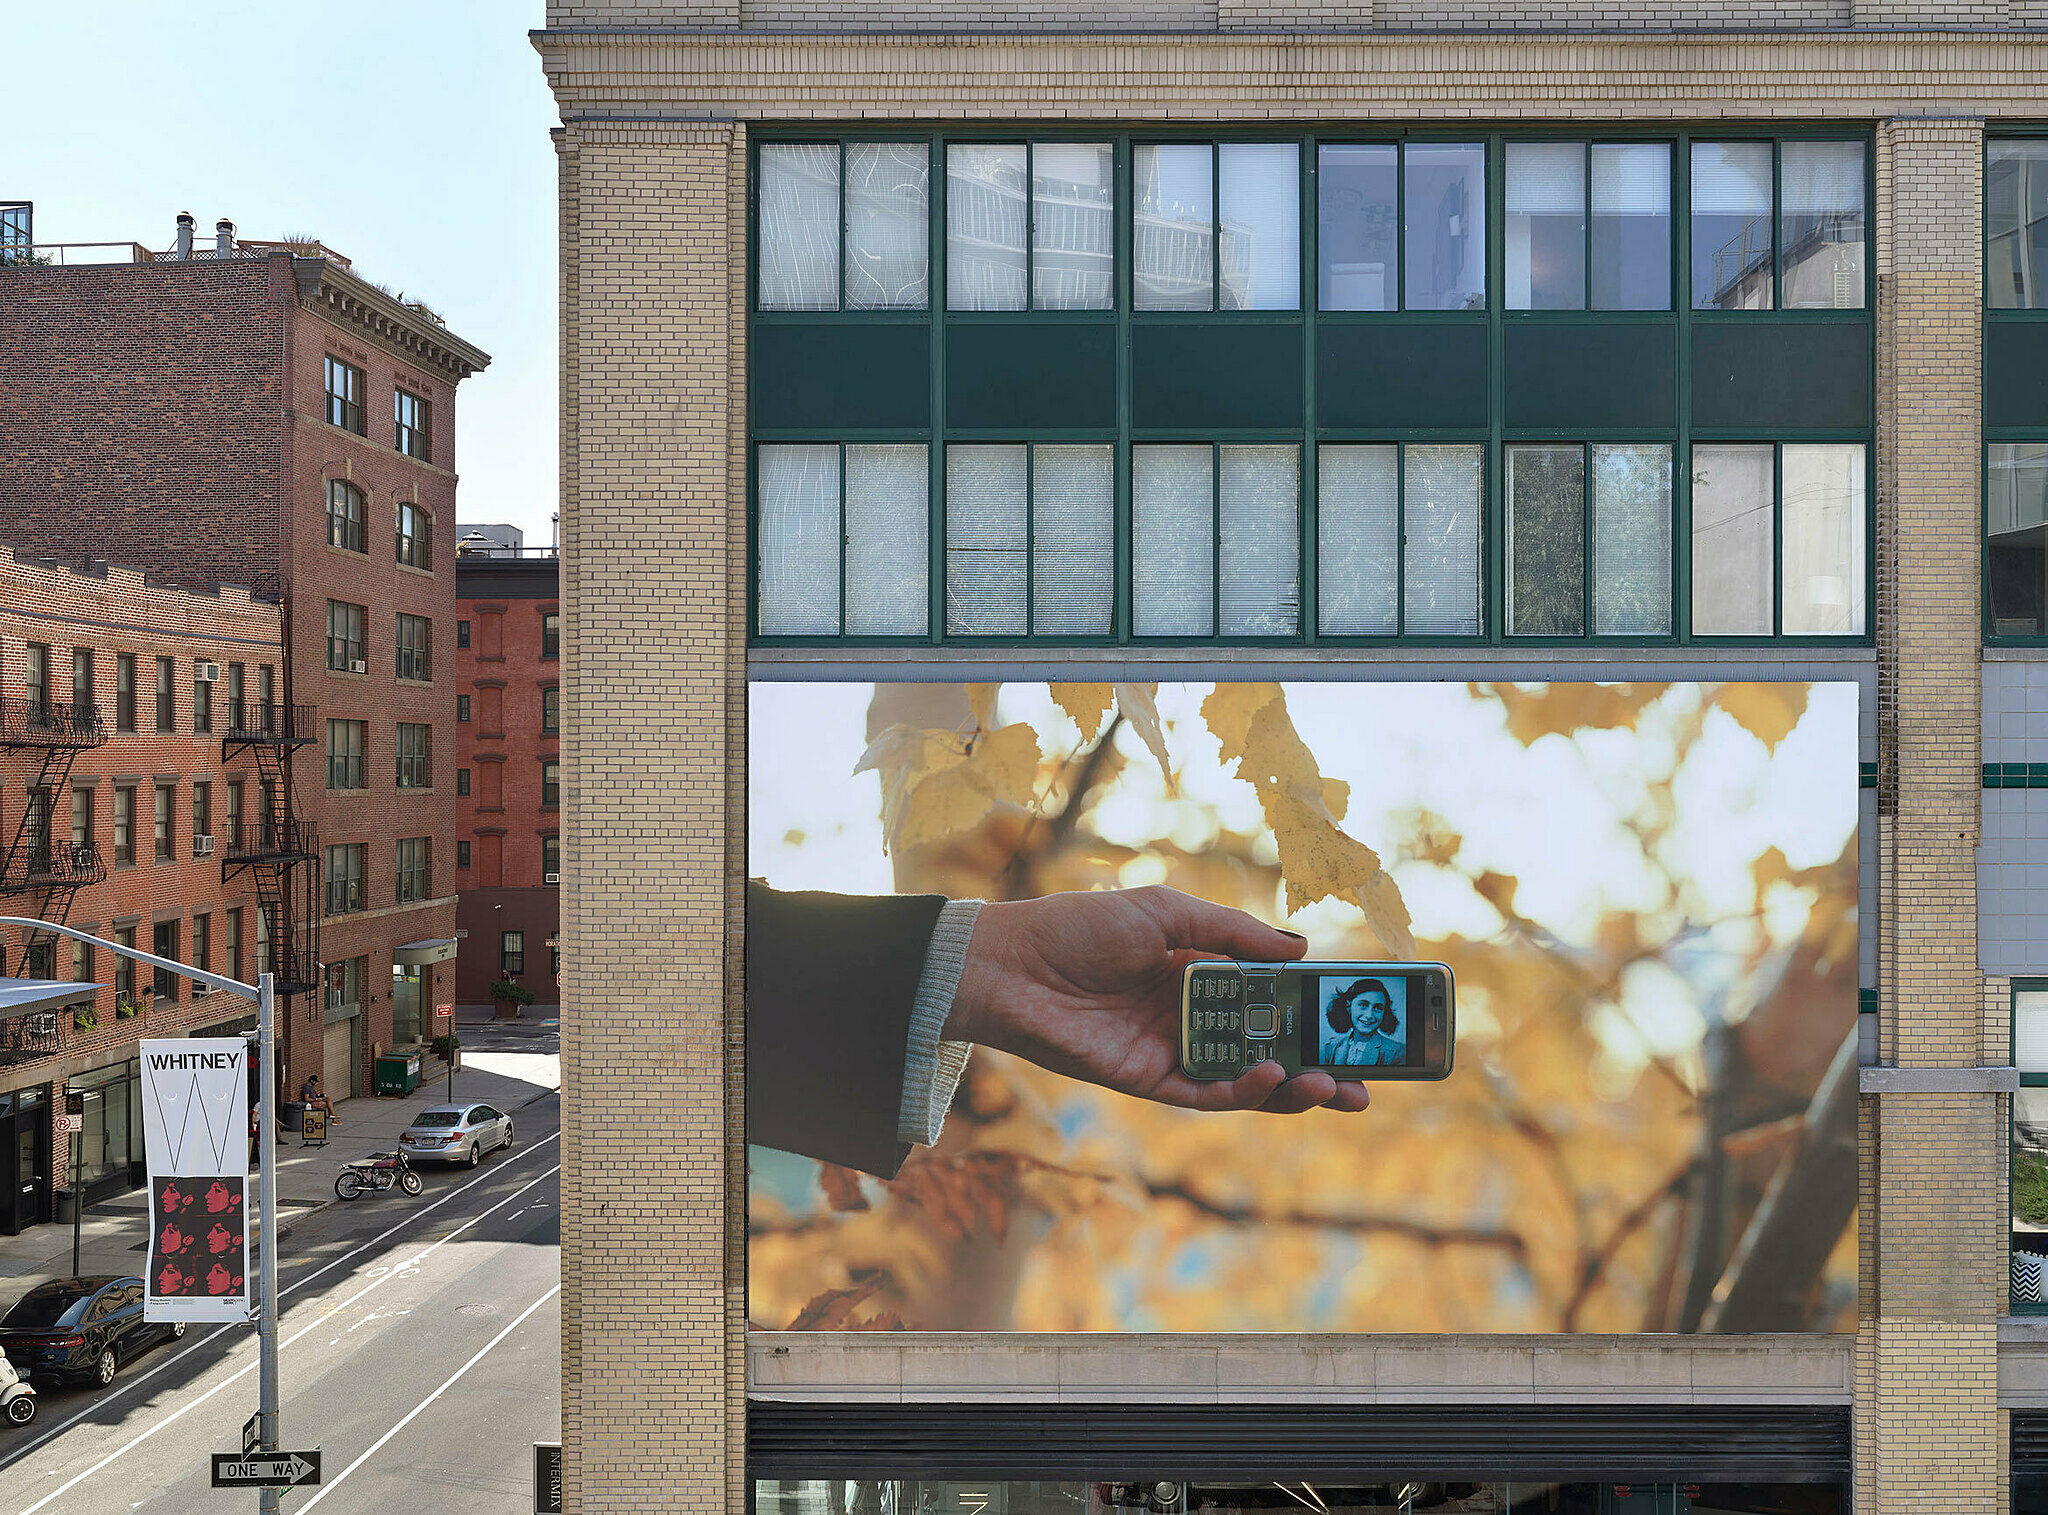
<point x="419" y="1348"/>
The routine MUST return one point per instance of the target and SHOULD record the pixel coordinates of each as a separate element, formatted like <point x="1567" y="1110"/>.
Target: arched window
<point x="415" y="536"/>
<point x="344" y="515"/>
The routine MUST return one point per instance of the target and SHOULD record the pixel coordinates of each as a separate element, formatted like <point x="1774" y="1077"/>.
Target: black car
<point x="80" y="1329"/>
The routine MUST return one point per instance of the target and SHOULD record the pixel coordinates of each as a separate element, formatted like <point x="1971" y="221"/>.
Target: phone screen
<point x="1361" y="1020"/>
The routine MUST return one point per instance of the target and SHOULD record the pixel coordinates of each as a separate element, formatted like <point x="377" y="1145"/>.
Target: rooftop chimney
<point x="185" y="225"/>
<point x="223" y="238"/>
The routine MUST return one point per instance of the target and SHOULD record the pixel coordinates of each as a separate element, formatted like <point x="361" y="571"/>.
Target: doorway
<point x="407" y="1023"/>
<point x="24" y="1159"/>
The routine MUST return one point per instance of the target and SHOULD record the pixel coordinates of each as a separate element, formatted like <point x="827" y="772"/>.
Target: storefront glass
<point x="958" y="1497"/>
<point x="112" y="1133"/>
<point x="405" y="1005"/>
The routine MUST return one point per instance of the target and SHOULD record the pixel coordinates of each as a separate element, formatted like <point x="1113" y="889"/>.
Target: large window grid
<point x="846" y="225"/>
<point x="2015" y="456"/>
<point x="1030" y="226"/>
<point x="1780" y="224"/>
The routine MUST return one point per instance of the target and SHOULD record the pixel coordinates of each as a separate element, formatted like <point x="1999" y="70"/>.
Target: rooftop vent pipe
<point x="223" y="238"/>
<point x="185" y="224"/>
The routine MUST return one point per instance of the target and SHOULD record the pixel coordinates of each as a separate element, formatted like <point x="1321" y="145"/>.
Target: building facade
<point x="132" y="810"/>
<point x="1323" y="325"/>
<point x="257" y="412"/>
<point x="508" y="783"/>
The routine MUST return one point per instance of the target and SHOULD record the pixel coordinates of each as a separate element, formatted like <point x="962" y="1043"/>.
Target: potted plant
<point x="127" y="1007"/>
<point x="84" y="1017"/>
<point x="444" y="1047"/>
<point x="510" y="996"/>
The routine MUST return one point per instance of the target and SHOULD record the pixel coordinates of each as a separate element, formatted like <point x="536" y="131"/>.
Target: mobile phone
<point x="1350" y="1020"/>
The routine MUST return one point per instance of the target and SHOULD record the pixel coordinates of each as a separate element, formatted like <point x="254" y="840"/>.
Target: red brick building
<point x="129" y="808"/>
<point x="258" y="413"/>
<point x="508" y="847"/>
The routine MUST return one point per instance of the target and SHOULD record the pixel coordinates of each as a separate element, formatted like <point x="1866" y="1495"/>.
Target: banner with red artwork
<point x="195" y="1117"/>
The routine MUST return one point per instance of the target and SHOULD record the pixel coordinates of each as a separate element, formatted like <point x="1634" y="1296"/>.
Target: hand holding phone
<point x="1352" y="1020"/>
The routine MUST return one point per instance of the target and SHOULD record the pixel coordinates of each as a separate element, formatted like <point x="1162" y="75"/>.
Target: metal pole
<point x="266" y="1299"/>
<point x="77" y="1189"/>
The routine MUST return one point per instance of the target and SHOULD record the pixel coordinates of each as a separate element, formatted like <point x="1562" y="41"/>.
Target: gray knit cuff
<point x="932" y="1068"/>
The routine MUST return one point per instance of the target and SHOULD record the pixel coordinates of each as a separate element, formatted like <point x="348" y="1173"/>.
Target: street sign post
<point x="266" y="1470"/>
<point x="547" y="1478"/>
<point x="444" y="1025"/>
<point x="70" y="1125"/>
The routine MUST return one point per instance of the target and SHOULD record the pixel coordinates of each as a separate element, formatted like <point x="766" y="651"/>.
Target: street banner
<point x="195" y="1119"/>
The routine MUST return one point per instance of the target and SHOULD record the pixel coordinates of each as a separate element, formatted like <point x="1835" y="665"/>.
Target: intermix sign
<point x="195" y="1119"/>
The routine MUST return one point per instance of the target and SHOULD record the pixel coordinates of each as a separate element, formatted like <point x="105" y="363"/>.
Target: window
<point x="345" y="649"/>
<point x="202" y="816"/>
<point x="462" y="854"/>
<point x="82" y="962"/>
<point x="550" y="633"/>
<point x="415" y="536"/>
<point x="1588" y="226"/>
<point x="415" y="756"/>
<point x="345" y="878"/>
<point x="1373" y="499"/>
<point x="1588" y="540"/>
<point x="344" y="396"/>
<point x="1380" y="205"/>
<point x="238" y="713"/>
<point x="842" y="539"/>
<point x="124" y="691"/>
<point x="165" y="794"/>
<point x="550" y="857"/>
<point x="1030" y="226"/>
<point x="2016" y="538"/>
<point x="462" y="781"/>
<point x="202" y="942"/>
<point x="234" y="815"/>
<point x="124" y="823"/>
<point x="1215" y="540"/>
<point x="550" y="786"/>
<point x="2028" y="1179"/>
<point x="124" y="967"/>
<point x="1030" y="540"/>
<point x="410" y="424"/>
<point x="345" y="743"/>
<point x="344" y="515"/>
<point x="81" y="816"/>
<point x="231" y="943"/>
<point x="83" y="706"/>
<point x="2015" y="225"/>
<point x="462" y="708"/>
<point x="345" y="982"/>
<point x="462" y="633"/>
<point x="512" y="953"/>
<point x="843" y="226"/>
<point x="1778" y="225"/>
<point x="413" y="880"/>
<point x="1756" y="506"/>
<point x="164" y="943"/>
<point x="551" y="710"/>
<point x="415" y="647"/>
<point x="1216" y="227"/>
<point x="202" y="701"/>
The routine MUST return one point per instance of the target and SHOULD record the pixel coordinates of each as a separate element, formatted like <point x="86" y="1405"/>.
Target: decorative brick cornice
<point x="348" y="301"/>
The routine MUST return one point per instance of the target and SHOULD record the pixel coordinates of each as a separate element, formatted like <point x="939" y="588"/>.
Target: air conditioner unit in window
<point x="551" y="878"/>
<point x="357" y="665"/>
<point x="206" y="673"/>
<point x="202" y="846"/>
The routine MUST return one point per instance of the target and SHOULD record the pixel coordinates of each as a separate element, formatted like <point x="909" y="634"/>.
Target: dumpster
<point x="398" y="1072"/>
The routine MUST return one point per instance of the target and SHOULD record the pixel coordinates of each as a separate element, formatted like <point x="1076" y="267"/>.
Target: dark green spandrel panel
<point x="1030" y="375"/>
<point x="1385" y="375"/>
<point x="2015" y="373"/>
<point x="1215" y="376"/>
<point x="840" y="377"/>
<point x="1591" y="376"/>
<point x="1776" y="374"/>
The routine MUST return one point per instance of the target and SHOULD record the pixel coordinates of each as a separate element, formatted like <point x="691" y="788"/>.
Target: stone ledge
<point x="1989" y="1080"/>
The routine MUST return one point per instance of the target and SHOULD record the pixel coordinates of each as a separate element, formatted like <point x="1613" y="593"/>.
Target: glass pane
<point x="798" y="540"/>
<point x="1073" y="226"/>
<point x="799" y="227"/>
<point x="1731" y="541"/>
<point x="1821" y="184"/>
<point x="1632" y="226"/>
<point x="888" y="234"/>
<point x="1172" y="265"/>
<point x="1632" y="541"/>
<point x="1546" y="489"/>
<point x="1358" y="537"/>
<point x="2030" y="1031"/>
<point x="1546" y="226"/>
<point x="985" y="529"/>
<point x="2016" y="546"/>
<point x="1260" y="512"/>
<point x="1731" y="226"/>
<point x="1261" y="185"/>
<point x="2016" y="224"/>
<point x="985" y="215"/>
<point x="888" y="523"/>
<point x="1173" y="546"/>
<point x="1073" y="545"/>
<point x="1355" y="228"/>
<point x="1441" y="492"/>
<point x="1443" y="217"/>
<point x="2030" y="1196"/>
<point x="1823" y="540"/>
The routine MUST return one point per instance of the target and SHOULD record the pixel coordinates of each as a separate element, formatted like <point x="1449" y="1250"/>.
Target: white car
<point x="455" y="1134"/>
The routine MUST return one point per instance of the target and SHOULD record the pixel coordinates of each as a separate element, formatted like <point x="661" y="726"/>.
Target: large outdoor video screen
<point x="1028" y="1115"/>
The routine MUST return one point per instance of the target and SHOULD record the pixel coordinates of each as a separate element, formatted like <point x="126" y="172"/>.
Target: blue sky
<point x="411" y="137"/>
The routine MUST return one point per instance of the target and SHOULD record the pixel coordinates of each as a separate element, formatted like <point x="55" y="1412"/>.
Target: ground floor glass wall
<point x="961" y="1497"/>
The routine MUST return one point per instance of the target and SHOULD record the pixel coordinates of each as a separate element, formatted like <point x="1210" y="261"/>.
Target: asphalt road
<point x="419" y="1348"/>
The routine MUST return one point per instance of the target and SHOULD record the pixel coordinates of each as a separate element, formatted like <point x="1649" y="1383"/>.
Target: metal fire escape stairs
<point x="36" y="863"/>
<point x="278" y="849"/>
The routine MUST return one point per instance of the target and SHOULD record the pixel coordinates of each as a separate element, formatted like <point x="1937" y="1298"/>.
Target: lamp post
<point x="264" y="993"/>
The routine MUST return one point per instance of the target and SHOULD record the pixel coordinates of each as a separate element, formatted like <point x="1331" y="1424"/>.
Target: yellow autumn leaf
<point x="905" y="757"/>
<point x="1086" y="705"/>
<point x="1767" y="712"/>
<point x="1229" y="710"/>
<point x="1002" y="769"/>
<point x="981" y="703"/>
<point x="1140" y="707"/>
<point x="1560" y="709"/>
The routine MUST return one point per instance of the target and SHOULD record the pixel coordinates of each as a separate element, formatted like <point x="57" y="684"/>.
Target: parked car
<point x="455" y="1134"/>
<point x="80" y="1330"/>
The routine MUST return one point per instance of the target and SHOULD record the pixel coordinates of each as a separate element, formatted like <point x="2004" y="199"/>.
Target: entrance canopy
<point x="24" y="996"/>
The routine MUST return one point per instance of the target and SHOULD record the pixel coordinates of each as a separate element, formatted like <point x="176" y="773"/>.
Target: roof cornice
<point x="343" y="298"/>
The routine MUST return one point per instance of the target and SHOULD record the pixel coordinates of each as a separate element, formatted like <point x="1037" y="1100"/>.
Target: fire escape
<point x="36" y="863"/>
<point x="275" y="846"/>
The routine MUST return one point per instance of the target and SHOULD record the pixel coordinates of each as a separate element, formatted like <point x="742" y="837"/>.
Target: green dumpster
<point x="398" y="1072"/>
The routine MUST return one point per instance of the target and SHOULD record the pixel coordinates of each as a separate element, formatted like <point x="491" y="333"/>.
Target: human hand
<point x="1089" y="985"/>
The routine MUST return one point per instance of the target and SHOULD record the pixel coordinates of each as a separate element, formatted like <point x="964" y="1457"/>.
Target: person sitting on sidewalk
<point x="315" y="1098"/>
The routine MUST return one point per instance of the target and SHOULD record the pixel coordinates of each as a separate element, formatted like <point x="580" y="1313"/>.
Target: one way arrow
<point x="266" y="1470"/>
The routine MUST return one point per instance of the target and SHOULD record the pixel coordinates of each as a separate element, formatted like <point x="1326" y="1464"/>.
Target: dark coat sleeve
<point x="830" y="981"/>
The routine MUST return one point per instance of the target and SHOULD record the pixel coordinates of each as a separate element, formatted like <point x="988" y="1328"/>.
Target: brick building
<point x="130" y="808"/>
<point x="508" y="860"/>
<point x="260" y="413"/>
<point x="795" y="228"/>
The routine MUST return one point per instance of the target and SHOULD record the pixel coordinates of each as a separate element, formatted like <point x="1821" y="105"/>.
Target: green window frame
<point x="2015" y="570"/>
<point x="1777" y="213"/>
<point x="863" y="158"/>
<point x="1039" y="202"/>
<point x="2026" y="1176"/>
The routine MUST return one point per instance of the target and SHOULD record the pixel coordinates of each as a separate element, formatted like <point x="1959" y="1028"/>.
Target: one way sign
<point x="265" y="1470"/>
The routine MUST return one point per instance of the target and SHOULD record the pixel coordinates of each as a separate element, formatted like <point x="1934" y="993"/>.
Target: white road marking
<point x="138" y="1380"/>
<point x="249" y="1368"/>
<point x="332" y="1484"/>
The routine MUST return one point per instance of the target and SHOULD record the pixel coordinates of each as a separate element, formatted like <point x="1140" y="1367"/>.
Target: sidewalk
<point x="114" y="1235"/>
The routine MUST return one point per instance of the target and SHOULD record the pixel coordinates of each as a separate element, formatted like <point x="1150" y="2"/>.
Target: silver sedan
<point x="455" y="1134"/>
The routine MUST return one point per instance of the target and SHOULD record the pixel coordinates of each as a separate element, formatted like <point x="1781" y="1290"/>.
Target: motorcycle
<point x="17" y="1399"/>
<point x="380" y="1170"/>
